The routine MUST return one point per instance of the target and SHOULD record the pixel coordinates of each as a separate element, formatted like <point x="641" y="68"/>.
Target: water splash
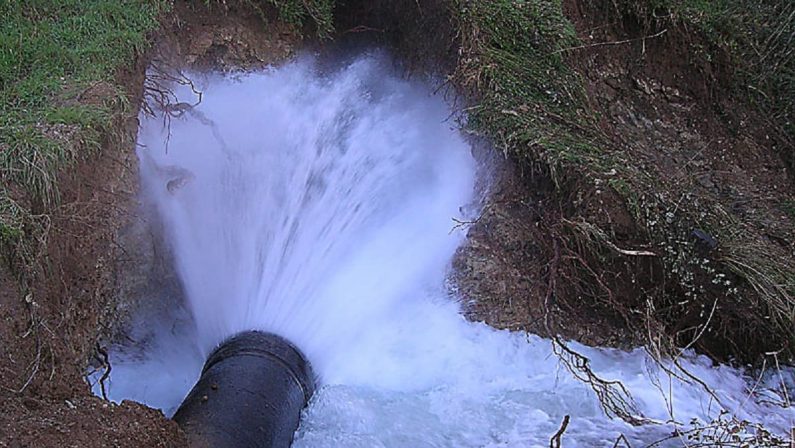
<point x="307" y="206"/>
<point x="319" y="205"/>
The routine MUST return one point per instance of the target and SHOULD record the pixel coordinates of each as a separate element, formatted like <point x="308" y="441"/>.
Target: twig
<point x="635" y="253"/>
<point x="551" y="283"/>
<point x="554" y="442"/>
<point x="754" y="388"/>
<point x="619" y="42"/>
<point x="598" y="233"/>
<point x="613" y="397"/>
<point x="622" y="438"/>
<point x="34" y="329"/>
<point x="106" y="374"/>
<point x="362" y="29"/>
<point x="784" y="390"/>
<point x="703" y="329"/>
<point x="459" y="223"/>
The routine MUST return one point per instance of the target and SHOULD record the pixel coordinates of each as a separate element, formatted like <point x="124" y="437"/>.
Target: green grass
<point x="294" y="12"/>
<point x="529" y="101"/>
<point x="52" y="54"/>
<point x="297" y="12"/>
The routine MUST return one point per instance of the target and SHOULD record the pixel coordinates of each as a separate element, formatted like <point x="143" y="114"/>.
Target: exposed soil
<point x="84" y="421"/>
<point x="48" y="337"/>
<point x="671" y="102"/>
<point x="503" y="268"/>
<point x="669" y="106"/>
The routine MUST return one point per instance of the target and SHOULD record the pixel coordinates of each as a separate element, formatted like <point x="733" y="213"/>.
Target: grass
<point x="59" y="97"/>
<point x="54" y="57"/>
<point x="295" y="12"/>
<point x="529" y="102"/>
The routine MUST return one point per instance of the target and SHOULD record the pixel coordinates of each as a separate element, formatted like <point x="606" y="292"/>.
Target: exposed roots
<point x="613" y="396"/>
<point x="159" y="98"/>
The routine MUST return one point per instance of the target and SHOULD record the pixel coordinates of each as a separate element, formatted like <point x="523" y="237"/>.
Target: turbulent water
<point x="318" y="203"/>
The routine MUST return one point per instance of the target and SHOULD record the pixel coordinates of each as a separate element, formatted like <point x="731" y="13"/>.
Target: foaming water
<point x="319" y="205"/>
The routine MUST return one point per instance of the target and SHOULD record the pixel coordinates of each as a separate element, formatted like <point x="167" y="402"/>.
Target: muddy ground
<point x="653" y="97"/>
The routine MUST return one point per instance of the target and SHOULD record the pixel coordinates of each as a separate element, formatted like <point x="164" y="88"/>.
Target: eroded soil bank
<point x="670" y="227"/>
<point x="559" y="249"/>
<point x="644" y="197"/>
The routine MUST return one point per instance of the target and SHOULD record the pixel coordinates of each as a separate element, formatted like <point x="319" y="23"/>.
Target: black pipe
<point x="250" y="394"/>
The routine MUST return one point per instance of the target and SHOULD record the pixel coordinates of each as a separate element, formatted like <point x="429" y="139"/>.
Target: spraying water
<point x="307" y="207"/>
<point x="319" y="206"/>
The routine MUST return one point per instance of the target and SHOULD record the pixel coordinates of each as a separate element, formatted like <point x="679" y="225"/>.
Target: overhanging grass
<point x="529" y="101"/>
<point x="294" y="12"/>
<point x="53" y="55"/>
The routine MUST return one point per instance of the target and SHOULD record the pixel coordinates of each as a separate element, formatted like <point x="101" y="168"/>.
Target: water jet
<point x="250" y="394"/>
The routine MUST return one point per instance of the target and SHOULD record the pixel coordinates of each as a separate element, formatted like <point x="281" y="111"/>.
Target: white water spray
<point x="319" y="207"/>
<point x="307" y="207"/>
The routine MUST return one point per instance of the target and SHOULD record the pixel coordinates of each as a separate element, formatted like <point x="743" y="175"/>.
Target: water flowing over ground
<point x="318" y="203"/>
